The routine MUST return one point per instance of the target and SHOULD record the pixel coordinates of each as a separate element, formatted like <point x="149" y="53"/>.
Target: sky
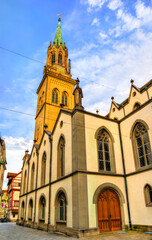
<point x="109" y="43"/>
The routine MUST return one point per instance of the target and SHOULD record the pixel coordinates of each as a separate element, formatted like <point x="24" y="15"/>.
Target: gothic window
<point x="30" y="210"/>
<point x="61" y="207"/>
<point x="105" y="151"/>
<point x="43" y="169"/>
<point x="141" y="144"/>
<point x="42" y="205"/>
<point x="55" y="96"/>
<point x="64" y="99"/>
<point x="60" y="58"/>
<point x="24" y="182"/>
<point x="148" y="195"/>
<point x="32" y="176"/>
<point x="61" y="158"/>
<point x="136" y="106"/>
<point x="53" y="58"/>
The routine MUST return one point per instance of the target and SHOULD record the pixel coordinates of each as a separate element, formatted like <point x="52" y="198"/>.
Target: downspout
<point x="19" y="211"/>
<point x="125" y="179"/>
<point x="27" y="188"/>
<point x="147" y="92"/>
<point x="37" y="154"/>
<point x="50" y="140"/>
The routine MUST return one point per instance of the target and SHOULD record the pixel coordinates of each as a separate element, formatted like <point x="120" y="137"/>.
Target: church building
<point x="86" y="173"/>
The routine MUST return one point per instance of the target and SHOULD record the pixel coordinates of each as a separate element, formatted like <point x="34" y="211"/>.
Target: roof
<point x="58" y="35"/>
<point x="9" y="174"/>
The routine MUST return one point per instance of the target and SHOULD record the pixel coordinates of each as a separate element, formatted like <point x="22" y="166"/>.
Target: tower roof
<point x="58" y="35"/>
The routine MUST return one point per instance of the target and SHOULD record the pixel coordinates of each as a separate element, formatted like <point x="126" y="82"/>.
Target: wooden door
<point x="109" y="216"/>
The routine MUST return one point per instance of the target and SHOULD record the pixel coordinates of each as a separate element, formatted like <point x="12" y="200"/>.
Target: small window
<point x="148" y="195"/>
<point x="136" y="106"/>
<point x="16" y="203"/>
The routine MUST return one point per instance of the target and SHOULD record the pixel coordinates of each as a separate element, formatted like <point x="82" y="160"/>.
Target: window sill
<point x="140" y="169"/>
<point x="42" y="220"/>
<point x="149" y="205"/>
<point x="61" y="221"/>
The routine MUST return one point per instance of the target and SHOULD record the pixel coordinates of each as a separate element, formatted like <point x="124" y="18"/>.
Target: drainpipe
<point x="27" y="188"/>
<point x="50" y="140"/>
<point x="37" y="154"/>
<point x="125" y="179"/>
<point x="19" y="210"/>
<point x="147" y="92"/>
<point x="123" y="109"/>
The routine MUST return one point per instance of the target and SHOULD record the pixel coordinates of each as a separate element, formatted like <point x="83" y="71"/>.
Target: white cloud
<point x="95" y="22"/>
<point x="130" y="22"/>
<point x="114" y="4"/>
<point x="144" y="13"/>
<point x="103" y="35"/>
<point x="96" y="3"/>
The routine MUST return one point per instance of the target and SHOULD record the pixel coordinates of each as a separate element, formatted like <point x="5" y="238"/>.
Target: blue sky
<point x="109" y="43"/>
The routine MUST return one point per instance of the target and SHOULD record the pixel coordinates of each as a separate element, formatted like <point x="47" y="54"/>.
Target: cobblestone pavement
<point x="10" y="231"/>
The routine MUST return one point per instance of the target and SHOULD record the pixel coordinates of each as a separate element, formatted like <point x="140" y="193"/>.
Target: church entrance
<point x="109" y="216"/>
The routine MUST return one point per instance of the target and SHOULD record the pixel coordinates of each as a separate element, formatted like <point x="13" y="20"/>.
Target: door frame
<point x="121" y="198"/>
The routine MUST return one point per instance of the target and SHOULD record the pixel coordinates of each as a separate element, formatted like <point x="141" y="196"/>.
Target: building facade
<point x="14" y="184"/>
<point x="2" y="162"/>
<point x="3" y="204"/>
<point x="87" y="173"/>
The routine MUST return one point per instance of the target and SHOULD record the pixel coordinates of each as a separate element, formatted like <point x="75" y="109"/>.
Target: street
<point x="11" y="231"/>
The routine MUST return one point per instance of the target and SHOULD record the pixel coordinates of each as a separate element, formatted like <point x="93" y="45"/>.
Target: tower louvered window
<point x="53" y="58"/>
<point x="64" y="99"/>
<point x="60" y="58"/>
<point x="103" y="141"/>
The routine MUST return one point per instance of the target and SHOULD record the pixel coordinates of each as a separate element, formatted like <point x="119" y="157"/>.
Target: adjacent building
<point x="3" y="204"/>
<point x="14" y="184"/>
<point x="87" y="173"/>
<point x="2" y="162"/>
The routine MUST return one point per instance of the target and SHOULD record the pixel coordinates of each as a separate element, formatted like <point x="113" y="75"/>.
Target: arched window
<point x="105" y="151"/>
<point x="32" y="176"/>
<point x="24" y="182"/>
<point x="60" y="58"/>
<point x="30" y="210"/>
<point x="42" y="205"/>
<point x="141" y="145"/>
<point x="22" y="210"/>
<point x="43" y="169"/>
<point x="64" y="99"/>
<point x="55" y="96"/>
<point x="53" y="58"/>
<point x="136" y="106"/>
<point x="61" y="207"/>
<point x="61" y="158"/>
<point x="148" y="195"/>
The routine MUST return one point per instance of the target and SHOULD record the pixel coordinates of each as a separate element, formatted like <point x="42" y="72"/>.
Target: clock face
<point x="60" y="69"/>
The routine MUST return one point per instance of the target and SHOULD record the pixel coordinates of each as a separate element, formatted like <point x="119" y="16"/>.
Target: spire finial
<point x="59" y="19"/>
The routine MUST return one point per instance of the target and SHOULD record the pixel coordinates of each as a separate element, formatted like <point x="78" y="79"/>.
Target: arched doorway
<point x="109" y="215"/>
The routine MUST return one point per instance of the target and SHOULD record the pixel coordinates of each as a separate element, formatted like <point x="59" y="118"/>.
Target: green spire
<point x="58" y="35"/>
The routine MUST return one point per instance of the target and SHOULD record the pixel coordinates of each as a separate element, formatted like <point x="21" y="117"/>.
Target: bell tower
<point x="56" y="88"/>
